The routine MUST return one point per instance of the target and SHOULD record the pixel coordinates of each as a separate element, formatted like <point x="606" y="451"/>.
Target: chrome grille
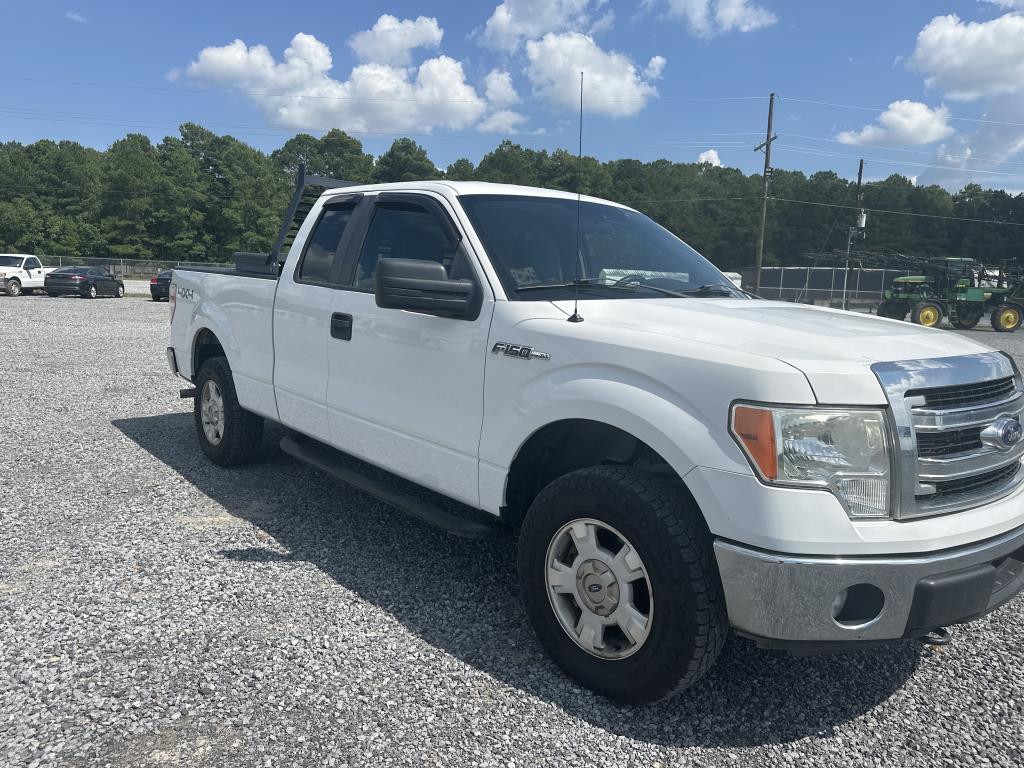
<point x="941" y="408"/>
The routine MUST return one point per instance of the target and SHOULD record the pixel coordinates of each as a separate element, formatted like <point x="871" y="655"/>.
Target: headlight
<point x="844" y="451"/>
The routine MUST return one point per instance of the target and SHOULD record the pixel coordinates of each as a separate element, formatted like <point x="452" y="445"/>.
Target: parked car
<point x="675" y="457"/>
<point x="87" y="282"/>
<point x="20" y="273"/>
<point x="160" y="285"/>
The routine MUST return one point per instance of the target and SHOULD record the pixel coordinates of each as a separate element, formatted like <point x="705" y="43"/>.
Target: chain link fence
<point x="126" y="269"/>
<point x="823" y="285"/>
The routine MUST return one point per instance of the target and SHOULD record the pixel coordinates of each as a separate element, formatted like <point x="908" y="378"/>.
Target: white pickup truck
<point x="20" y="273"/>
<point x="675" y="457"/>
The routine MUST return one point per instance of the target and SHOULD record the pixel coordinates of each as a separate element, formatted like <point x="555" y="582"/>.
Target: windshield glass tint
<point x="532" y="241"/>
<point x="10" y="261"/>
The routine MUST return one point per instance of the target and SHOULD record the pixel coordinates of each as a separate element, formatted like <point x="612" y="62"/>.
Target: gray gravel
<point x="157" y="610"/>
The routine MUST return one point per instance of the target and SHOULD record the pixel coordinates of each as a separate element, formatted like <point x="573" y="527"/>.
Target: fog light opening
<point x="858" y="605"/>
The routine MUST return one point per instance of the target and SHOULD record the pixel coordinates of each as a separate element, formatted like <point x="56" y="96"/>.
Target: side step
<point x="376" y="482"/>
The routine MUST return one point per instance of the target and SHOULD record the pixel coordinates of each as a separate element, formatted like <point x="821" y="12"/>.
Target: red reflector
<point x="153" y="281"/>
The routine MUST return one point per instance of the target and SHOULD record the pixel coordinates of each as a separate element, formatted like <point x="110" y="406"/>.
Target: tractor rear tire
<point x="893" y="309"/>
<point x="926" y="313"/>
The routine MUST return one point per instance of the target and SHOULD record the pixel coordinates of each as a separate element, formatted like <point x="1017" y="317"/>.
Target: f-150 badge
<point x="518" y="350"/>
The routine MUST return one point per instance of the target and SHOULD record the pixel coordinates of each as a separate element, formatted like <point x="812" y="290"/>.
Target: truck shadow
<point x="462" y="598"/>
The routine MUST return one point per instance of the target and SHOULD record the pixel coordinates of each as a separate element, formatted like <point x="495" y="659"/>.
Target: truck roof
<point x="448" y="188"/>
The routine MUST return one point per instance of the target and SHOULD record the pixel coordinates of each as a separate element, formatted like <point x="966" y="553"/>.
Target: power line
<point x="900" y="213"/>
<point x="886" y="109"/>
<point x="903" y="149"/>
<point x="271" y="94"/>
<point x="842" y="155"/>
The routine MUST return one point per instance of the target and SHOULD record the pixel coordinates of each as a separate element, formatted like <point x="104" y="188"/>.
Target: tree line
<point x="200" y="196"/>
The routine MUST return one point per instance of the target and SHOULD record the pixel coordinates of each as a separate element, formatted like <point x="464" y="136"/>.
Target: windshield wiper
<point x="599" y="282"/>
<point x="711" y="289"/>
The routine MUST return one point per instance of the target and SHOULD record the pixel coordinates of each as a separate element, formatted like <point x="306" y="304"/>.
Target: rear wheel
<point x="228" y="434"/>
<point x="120" y="291"/>
<point x="13" y="288"/>
<point x="91" y="292"/>
<point x="967" y="316"/>
<point x="894" y="309"/>
<point x="618" y="577"/>
<point x="1006" y="318"/>
<point x="926" y="313"/>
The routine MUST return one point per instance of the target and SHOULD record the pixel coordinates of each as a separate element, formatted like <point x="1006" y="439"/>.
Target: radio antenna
<point x="576" y="317"/>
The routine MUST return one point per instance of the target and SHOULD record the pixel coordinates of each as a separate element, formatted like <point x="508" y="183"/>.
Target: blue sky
<point x="665" y="78"/>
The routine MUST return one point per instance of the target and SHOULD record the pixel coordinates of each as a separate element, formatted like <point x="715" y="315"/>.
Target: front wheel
<point x="1006" y="318"/>
<point x="91" y="292"/>
<point x="926" y="313"/>
<point x="13" y="288"/>
<point x="120" y="291"/>
<point x="619" y="580"/>
<point x="228" y="434"/>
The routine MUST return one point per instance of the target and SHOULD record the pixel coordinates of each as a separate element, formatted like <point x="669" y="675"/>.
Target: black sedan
<point x="87" y="282"/>
<point x="160" y="286"/>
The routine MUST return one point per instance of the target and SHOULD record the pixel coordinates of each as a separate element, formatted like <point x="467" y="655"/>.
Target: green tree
<point x="404" y="161"/>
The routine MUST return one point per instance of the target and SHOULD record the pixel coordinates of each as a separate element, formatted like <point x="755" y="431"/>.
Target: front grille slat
<point x="935" y="444"/>
<point x="969" y="485"/>
<point x="964" y="395"/>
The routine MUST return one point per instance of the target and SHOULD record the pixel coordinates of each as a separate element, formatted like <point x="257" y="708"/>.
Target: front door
<point x="405" y="390"/>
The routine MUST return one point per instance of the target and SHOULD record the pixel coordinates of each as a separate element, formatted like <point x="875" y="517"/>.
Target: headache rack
<point x="307" y="189"/>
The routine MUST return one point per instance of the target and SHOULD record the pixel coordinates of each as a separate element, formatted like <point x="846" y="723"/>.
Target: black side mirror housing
<point x="424" y="286"/>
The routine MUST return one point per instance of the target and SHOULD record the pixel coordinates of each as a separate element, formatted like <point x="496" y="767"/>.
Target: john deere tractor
<point x="958" y="289"/>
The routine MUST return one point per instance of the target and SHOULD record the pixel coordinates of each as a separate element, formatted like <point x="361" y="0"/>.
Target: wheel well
<point x="206" y="345"/>
<point x="565" y="446"/>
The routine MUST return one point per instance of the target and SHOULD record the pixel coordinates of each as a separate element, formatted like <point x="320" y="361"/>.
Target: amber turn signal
<point x="754" y="428"/>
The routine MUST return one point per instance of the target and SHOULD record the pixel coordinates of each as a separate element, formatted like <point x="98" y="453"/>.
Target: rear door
<point x="405" y="390"/>
<point x="302" y="318"/>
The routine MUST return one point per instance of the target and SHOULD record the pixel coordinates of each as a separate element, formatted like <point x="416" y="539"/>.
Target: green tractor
<point x="956" y="289"/>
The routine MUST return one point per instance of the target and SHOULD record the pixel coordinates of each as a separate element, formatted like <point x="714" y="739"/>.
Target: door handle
<point x="341" y="326"/>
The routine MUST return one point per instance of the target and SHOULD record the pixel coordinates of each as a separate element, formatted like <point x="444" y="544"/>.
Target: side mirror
<point x="423" y="286"/>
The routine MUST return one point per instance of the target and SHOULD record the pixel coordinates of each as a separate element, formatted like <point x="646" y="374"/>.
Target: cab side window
<point x="32" y="264"/>
<point x="402" y="231"/>
<point x="322" y="247"/>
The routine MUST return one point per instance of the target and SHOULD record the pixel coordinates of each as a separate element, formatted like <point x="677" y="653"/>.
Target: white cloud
<point x="707" y="18"/>
<point x="615" y="85"/>
<point x="299" y="93"/>
<point x="603" y="24"/>
<point x="1010" y="4"/>
<point x="514" y="21"/>
<point x="74" y="16"/>
<point x="903" y="123"/>
<point x="970" y="60"/>
<point x="502" y="121"/>
<point x="654" y="67"/>
<point x="499" y="89"/>
<point x="391" y="41"/>
<point x="710" y="156"/>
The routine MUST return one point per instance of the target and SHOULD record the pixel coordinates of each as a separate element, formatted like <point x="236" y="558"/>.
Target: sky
<point x="931" y="89"/>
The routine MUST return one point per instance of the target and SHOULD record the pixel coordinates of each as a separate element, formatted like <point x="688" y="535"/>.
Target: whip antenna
<point x="575" y="317"/>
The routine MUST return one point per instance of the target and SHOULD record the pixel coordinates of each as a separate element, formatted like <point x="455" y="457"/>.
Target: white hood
<point x="834" y="349"/>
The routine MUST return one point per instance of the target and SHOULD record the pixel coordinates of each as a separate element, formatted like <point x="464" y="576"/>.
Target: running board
<point x="471" y="525"/>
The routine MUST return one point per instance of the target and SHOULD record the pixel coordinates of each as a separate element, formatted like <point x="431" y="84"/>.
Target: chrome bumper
<point x="793" y="598"/>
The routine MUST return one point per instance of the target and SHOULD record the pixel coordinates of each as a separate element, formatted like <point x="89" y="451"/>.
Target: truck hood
<point x="834" y="349"/>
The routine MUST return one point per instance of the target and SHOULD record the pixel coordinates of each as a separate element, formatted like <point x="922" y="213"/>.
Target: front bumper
<point x="791" y="600"/>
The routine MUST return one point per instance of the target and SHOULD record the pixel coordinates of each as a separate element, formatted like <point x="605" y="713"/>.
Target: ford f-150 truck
<point x="676" y="458"/>
<point x="20" y="273"/>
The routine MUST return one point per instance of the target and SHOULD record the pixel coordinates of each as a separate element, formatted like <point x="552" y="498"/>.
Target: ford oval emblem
<point x="1003" y="434"/>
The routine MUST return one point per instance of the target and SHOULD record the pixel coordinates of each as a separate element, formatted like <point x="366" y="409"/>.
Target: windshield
<point x="532" y="243"/>
<point x="10" y="261"/>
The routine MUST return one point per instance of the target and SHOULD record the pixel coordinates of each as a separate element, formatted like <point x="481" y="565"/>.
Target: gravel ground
<point x="158" y="610"/>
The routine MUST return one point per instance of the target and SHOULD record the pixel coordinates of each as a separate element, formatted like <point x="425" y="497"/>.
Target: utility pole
<point x="854" y="231"/>
<point x="766" y="145"/>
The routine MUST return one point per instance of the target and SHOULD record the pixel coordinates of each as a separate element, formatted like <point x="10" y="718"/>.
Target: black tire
<point x="688" y="619"/>
<point x="968" y="316"/>
<point x="894" y="309"/>
<point x="242" y="435"/>
<point x="52" y="295"/>
<point x="926" y="313"/>
<point x="120" y="291"/>
<point x="14" y="288"/>
<point x="1006" y="318"/>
